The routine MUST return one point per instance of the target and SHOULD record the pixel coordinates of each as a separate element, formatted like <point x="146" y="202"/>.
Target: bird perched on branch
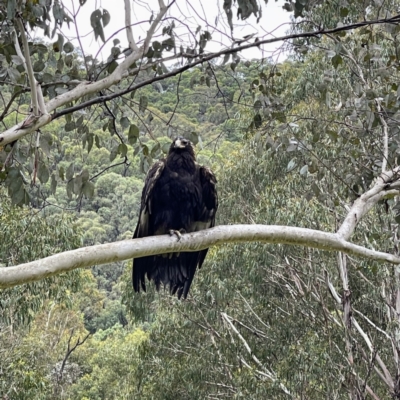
<point x="179" y="195"/>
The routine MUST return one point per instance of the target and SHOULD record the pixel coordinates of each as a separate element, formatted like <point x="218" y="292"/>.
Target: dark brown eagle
<point x="179" y="195"/>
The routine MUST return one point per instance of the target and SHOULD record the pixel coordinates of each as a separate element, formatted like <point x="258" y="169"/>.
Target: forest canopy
<point x="300" y="299"/>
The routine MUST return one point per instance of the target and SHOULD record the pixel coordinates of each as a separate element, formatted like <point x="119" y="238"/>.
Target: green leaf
<point x="143" y="102"/>
<point x="90" y="138"/>
<point x="69" y="126"/>
<point x="105" y="17"/>
<point x="14" y="74"/>
<point x="97" y="141"/>
<point x="113" y="153"/>
<point x="124" y="122"/>
<point x="165" y="148"/>
<point x="304" y="170"/>
<point x="61" y="173"/>
<point x="336" y="60"/>
<point x="156" y="148"/>
<point x="95" y="18"/>
<point x="70" y="172"/>
<point x="85" y="175"/>
<point x="88" y="189"/>
<point x="18" y="196"/>
<point x="291" y="165"/>
<point x="58" y="45"/>
<point x="53" y="185"/>
<point x="344" y="12"/>
<point x="168" y="44"/>
<point x="77" y="184"/>
<point x="257" y="105"/>
<point x="79" y="121"/>
<point x="43" y="173"/>
<point x="70" y="188"/>
<point x="133" y="134"/>
<point x="156" y="45"/>
<point x="257" y="120"/>
<point x="68" y="47"/>
<point x="17" y="60"/>
<point x="112" y="66"/>
<point x="45" y="142"/>
<point x="123" y="149"/>
<point x="193" y="137"/>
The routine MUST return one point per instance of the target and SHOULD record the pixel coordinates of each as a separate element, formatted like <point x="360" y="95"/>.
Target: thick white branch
<point x="128" y="26"/>
<point x="383" y="187"/>
<point x="85" y="88"/>
<point x="127" y="249"/>
<point x="27" y="64"/>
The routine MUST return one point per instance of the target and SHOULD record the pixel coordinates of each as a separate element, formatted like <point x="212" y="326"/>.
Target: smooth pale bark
<point x="127" y="249"/>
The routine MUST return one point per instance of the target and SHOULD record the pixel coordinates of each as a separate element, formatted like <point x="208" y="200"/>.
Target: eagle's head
<point x="180" y="145"/>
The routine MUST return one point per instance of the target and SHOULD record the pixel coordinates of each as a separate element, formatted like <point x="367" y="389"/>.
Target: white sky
<point x="186" y="14"/>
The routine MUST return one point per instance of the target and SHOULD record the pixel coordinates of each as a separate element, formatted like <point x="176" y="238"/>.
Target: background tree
<point x="302" y="148"/>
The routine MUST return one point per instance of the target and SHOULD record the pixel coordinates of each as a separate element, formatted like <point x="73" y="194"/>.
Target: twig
<point x="27" y="64"/>
<point x="69" y="352"/>
<point x="385" y="132"/>
<point x="177" y="99"/>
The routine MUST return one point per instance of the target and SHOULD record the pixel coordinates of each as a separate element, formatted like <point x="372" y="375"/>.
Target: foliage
<point x="292" y="143"/>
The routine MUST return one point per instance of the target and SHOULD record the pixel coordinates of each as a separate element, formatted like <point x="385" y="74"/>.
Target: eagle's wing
<point x="210" y="198"/>
<point x="210" y="205"/>
<point x="143" y="228"/>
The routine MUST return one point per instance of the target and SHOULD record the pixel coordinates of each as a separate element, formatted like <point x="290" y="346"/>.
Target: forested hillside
<point x="304" y="304"/>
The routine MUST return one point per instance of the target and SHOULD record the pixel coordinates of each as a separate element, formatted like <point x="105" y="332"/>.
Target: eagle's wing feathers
<point x="143" y="228"/>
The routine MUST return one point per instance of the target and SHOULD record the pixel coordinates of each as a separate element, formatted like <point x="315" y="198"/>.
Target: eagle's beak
<point x="180" y="143"/>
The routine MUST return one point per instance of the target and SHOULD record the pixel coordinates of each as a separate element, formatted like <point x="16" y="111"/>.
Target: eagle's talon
<point x="178" y="234"/>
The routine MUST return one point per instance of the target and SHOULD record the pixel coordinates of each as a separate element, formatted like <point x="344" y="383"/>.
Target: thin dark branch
<point x="70" y="349"/>
<point x="177" y="100"/>
<point x="200" y="59"/>
<point x="3" y="114"/>
<point x="219" y="89"/>
<point x="109" y="167"/>
<point x="113" y="119"/>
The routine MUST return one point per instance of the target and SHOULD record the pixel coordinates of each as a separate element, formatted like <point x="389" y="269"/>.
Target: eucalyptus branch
<point x="372" y="324"/>
<point x="88" y="88"/>
<point x="246" y="345"/>
<point x="385" y="185"/>
<point x="69" y="351"/>
<point x="386" y="377"/>
<point x="133" y="248"/>
<point x="385" y="132"/>
<point x="128" y="24"/>
<point x="268" y="374"/>
<point x="28" y="65"/>
<point x="155" y="23"/>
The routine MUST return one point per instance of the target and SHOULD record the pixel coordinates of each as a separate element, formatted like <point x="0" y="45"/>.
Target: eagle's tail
<point x="175" y="270"/>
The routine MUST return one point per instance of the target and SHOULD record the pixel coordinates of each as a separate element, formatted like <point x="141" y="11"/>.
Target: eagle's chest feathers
<point x="179" y="193"/>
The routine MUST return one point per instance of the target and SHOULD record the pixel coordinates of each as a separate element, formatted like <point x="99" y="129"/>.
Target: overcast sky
<point x="186" y="14"/>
